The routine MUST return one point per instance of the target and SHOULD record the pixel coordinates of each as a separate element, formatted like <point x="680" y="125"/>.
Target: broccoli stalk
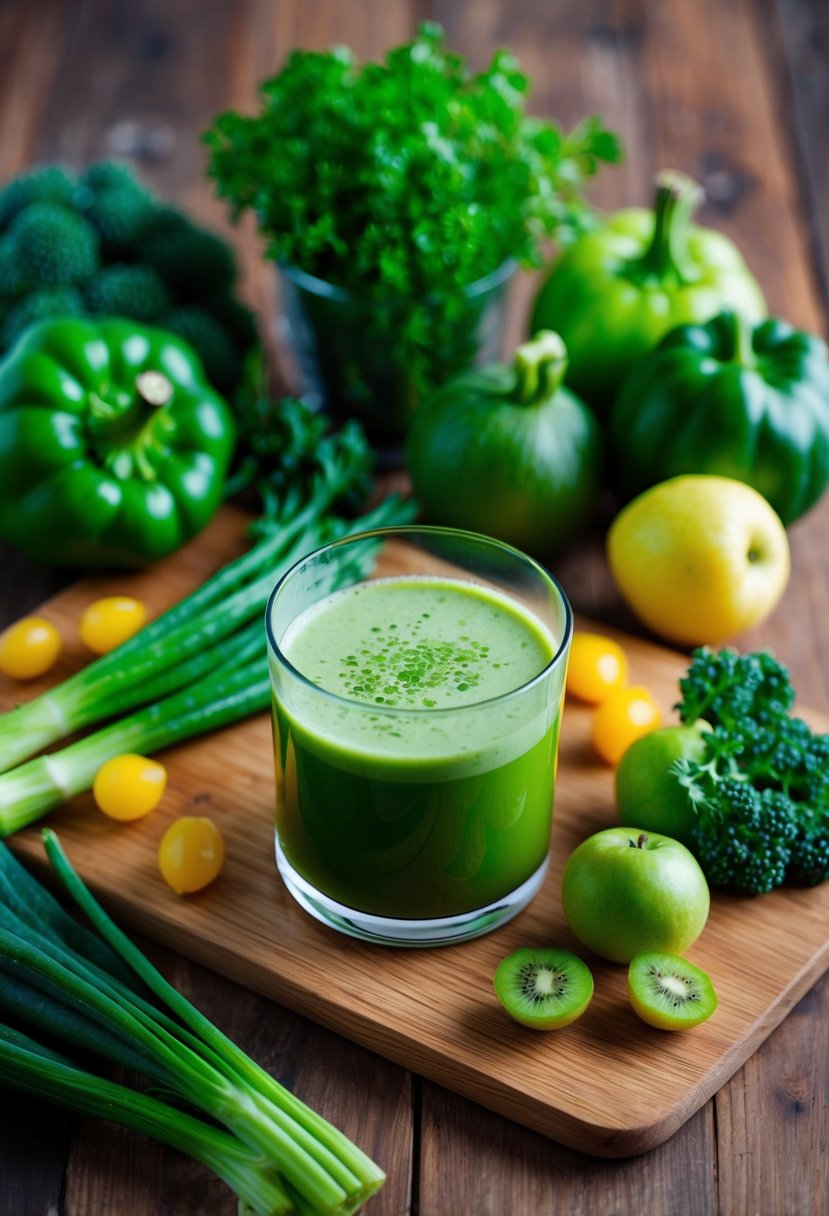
<point x="761" y="788"/>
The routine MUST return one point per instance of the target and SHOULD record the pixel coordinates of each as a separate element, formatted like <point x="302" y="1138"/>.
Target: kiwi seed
<point x="543" y="987"/>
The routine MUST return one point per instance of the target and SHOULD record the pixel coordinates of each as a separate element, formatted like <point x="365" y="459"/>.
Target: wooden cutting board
<point x="607" y="1085"/>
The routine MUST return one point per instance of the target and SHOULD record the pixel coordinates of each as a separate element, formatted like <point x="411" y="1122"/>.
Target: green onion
<point x="29" y="1068"/>
<point x="230" y="693"/>
<point x="172" y="649"/>
<point x="276" y="1153"/>
<point x="38" y="786"/>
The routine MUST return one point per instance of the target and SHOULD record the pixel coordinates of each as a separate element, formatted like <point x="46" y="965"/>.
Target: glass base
<point x="392" y="931"/>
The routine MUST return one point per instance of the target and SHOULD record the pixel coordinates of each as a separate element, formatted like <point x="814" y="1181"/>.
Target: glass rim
<point x="333" y="291"/>
<point x="403" y="530"/>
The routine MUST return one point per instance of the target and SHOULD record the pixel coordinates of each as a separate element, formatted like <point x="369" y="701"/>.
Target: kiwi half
<point x="543" y="988"/>
<point x="669" y="992"/>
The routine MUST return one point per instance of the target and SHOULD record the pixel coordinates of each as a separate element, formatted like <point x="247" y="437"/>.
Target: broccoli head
<point x="126" y="254"/>
<point x="52" y="246"/>
<point x="11" y="285"/>
<point x="44" y="184"/>
<point x="125" y="290"/>
<point x="107" y="175"/>
<point x="745" y="840"/>
<point x="761" y="787"/>
<point x="120" y="217"/>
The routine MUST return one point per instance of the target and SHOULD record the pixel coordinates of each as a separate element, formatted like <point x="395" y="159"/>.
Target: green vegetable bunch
<point x="761" y="787"/>
<point x="99" y="244"/>
<point x="403" y="182"/>
<point x="93" y="994"/>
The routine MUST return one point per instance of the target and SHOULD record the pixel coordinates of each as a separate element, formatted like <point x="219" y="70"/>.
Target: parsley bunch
<point x="761" y="789"/>
<point x="403" y="182"/>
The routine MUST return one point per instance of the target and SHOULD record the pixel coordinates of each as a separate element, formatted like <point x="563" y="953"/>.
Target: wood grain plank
<point x="33" y="42"/>
<point x="804" y="40"/>
<point x="773" y="1119"/>
<point x="609" y="1085"/>
<point x="114" y="1169"/>
<point x="520" y="1172"/>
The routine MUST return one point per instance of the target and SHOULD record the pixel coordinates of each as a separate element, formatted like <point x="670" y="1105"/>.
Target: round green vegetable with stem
<point x="615" y="292"/>
<point x="508" y="451"/>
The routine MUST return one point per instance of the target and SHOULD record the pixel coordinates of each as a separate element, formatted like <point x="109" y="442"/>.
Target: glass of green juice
<point x="418" y="681"/>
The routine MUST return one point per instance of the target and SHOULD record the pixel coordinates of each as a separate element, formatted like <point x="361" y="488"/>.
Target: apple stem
<point x="640" y="842"/>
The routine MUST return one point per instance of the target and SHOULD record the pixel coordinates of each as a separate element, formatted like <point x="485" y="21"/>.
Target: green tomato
<point x="625" y="891"/>
<point x="648" y="792"/>
<point x="617" y="290"/>
<point x="507" y="451"/>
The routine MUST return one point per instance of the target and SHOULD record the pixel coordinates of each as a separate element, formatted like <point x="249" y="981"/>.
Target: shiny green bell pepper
<point x="618" y="289"/>
<point x="113" y="447"/>
<point x="731" y="399"/>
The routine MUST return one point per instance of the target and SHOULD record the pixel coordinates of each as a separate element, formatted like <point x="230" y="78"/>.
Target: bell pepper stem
<point x="154" y="388"/>
<point x="743" y="333"/>
<point x="540" y="366"/>
<point x="677" y="198"/>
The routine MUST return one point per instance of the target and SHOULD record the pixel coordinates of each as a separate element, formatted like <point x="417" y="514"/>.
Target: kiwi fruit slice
<point x="543" y="987"/>
<point x="669" y="992"/>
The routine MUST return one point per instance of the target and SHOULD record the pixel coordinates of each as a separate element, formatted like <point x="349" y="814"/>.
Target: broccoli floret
<point x="219" y="356"/>
<point x="120" y="217"/>
<point x="761" y="788"/>
<point x="195" y="263"/>
<point x="726" y="688"/>
<point x="106" y="175"/>
<point x="127" y="291"/>
<point x="11" y="285"/>
<point x="745" y="840"/>
<point x="49" y="302"/>
<point x="53" y="247"/>
<point x="810" y="853"/>
<point x="116" y="205"/>
<point x="46" y="183"/>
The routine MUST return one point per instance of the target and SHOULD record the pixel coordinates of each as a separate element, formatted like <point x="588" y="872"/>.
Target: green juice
<point x="415" y="760"/>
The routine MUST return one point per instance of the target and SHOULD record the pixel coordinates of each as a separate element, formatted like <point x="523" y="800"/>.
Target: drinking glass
<point x="416" y="736"/>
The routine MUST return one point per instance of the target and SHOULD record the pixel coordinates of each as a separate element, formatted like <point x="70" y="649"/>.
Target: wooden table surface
<point x="735" y="92"/>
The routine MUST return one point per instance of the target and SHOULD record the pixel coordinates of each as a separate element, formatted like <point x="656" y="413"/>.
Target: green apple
<point x="625" y="891"/>
<point x="648" y="791"/>
<point x="699" y="558"/>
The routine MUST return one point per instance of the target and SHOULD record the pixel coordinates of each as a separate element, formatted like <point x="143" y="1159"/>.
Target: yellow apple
<point x="699" y="558"/>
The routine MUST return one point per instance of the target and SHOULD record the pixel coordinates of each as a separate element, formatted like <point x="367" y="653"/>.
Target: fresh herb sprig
<point x="285" y="454"/>
<point x="405" y="181"/>
<point x="761" y="788"/>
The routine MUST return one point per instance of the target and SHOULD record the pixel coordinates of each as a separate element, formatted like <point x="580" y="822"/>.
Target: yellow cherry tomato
<point x="623" y="718"/>
<point x="108" y="622"/>
<point x="129" y="786"/>
<point x="598" y="667"/>
<point x="191" y="854"/>
<point x="29" y="648"/>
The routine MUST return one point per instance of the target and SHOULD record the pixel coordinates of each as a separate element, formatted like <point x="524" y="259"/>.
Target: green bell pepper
<point x="728" y="398"/>
<point x="113" y="447"/>
<point x="618" y="289"/>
